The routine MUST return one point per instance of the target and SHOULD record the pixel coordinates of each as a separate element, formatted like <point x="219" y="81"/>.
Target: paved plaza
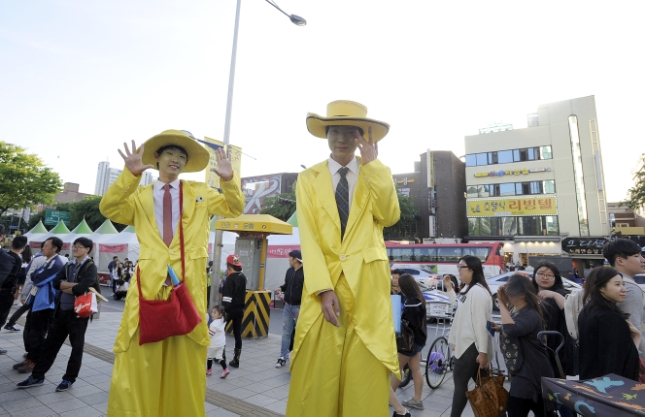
<point x="257" y="388"/>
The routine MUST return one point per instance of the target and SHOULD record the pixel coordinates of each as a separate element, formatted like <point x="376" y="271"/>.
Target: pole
<point x="217" y="258"/>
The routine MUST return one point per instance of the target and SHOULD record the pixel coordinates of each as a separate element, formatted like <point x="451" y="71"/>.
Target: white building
<point x="540" y="185"/>
<point x="106" y="176"/>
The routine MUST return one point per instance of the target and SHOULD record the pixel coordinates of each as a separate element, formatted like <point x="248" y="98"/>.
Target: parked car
<point x="422" y="277"/>
<point x="495" y="282"/>
<point x="437" y="302"/>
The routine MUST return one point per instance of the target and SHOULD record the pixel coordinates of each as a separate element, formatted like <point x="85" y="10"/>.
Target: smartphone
<point x="490" y="328"/>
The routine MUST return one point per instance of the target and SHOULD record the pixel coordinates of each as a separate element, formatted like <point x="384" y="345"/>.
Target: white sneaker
<point x="281" y="362"/>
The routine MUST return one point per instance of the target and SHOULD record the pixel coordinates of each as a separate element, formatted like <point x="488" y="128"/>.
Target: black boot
<point x="235" y="363"/>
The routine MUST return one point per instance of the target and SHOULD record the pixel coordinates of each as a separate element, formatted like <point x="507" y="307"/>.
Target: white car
<point x="495" y="282"/>
<point x="437" y="302"/>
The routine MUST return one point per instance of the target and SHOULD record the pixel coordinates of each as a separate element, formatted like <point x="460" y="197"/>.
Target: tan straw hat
<point x="198" y="156"/>
<point x="346" y="113"/>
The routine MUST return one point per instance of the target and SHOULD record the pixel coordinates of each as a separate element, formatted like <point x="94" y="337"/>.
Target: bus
<point x="427" y="262"/>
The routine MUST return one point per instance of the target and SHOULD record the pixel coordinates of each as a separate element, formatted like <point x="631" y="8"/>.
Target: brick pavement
<point x="256" y="389"/>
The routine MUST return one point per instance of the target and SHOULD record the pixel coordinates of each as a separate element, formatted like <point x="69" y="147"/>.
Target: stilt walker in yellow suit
<point x="345" y="348"/>
<point x="166" y="378"/>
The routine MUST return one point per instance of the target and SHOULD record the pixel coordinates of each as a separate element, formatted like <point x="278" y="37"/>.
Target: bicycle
<point x="440" y="359"/>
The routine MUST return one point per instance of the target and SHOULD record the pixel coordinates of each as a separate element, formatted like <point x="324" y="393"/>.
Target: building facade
<point x="538" y="185"/>
<point x="436" y="188"/>
<point x="106" y="176"/>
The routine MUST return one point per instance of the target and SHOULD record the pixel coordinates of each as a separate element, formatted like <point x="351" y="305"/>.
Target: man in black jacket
<point x="10" y="264"/>
<point x="292" y="289"/>
<point x="73" y="280"/>
<point x="233" y="300"/>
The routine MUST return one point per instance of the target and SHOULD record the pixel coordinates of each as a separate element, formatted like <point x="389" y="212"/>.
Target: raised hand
<point x="369" y="150"/>
<point x="224" y="168"/>
<point x="134" y="160"/>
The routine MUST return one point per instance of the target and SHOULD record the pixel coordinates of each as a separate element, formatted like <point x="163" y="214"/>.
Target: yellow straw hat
<point x="346" y="113"/>
<point x="198" y="156"/>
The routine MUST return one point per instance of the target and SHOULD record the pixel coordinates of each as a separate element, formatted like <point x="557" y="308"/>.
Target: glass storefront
<point x="514" y="226"/>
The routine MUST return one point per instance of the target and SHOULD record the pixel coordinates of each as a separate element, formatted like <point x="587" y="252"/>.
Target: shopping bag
<point x="489" y="397"/>
<point x="85" y="305"/>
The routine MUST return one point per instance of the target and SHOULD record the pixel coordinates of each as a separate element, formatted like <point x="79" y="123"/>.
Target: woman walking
<point x="469" y="338"/>
<point x="522" y="323"/>
<point x="414" y="311"/>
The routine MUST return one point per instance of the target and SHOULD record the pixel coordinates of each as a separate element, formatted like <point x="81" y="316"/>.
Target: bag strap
<point x="181" y="241"/>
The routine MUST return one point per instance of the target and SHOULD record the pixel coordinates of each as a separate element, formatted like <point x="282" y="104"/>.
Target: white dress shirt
<point x="158" y="197"/>
<point x="352" y="176"/>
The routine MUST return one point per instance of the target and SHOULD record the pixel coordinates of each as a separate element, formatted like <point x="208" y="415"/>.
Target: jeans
<point x="65" y="323"/>
<point x="16" y="315"/>
<point x="289" y="318"/>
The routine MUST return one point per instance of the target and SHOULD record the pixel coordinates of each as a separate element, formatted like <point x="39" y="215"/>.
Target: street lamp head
<point x="297" y="20"/>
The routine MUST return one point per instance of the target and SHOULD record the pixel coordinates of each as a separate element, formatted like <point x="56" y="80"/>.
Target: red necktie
<point x="167" y="215"/>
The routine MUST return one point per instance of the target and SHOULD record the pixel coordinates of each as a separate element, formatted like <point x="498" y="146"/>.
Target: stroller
<point x="553" y="354"/>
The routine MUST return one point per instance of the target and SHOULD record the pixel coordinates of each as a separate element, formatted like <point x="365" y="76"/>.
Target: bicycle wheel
<point x="437" y="362"/>
<point x="405" y="377"/>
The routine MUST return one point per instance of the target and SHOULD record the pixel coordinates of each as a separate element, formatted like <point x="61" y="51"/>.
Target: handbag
<point x="405" y="338"/>
<point x="85" y="305"/>
<point x="510" y="347"/>
<point x="177" y="316"/>
<point x="489" y="397"/>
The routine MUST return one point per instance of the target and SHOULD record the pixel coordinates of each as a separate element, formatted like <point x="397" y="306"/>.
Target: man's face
<point x="341" y="142"/>
<point x="292" y="261"/>
<point x="632" y="265"/>
<point x="49" y="250"/>
<point x="171" y="161"/>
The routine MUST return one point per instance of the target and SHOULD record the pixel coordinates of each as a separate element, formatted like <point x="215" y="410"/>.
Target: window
<point x="482" y="159"/>
<point x="516" y="155"/>
<point x="507" y="189"/>
<point x="485" y="191"/>
<point x="492" y="158"/>
<point x="448" y="254"/>
<point x="536" y="187"/>
<point x="471" y="160"/>
<point x="546" y="152"/>
<point x="504" y="157"/>
<point x="578" y="175"/>
<point x="425" y="254"/>
<point x="401" y="254"/>
<point x="474" y="191"/>
<point x="531" y="154"/>
<point x="518" y="188"/>
<point x="549" y="187"/>
<point x="480" y="252"/>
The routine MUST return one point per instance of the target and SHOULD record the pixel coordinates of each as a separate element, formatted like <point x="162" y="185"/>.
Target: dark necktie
<point x="167" y="215"/>
<point x="342" y="200"/>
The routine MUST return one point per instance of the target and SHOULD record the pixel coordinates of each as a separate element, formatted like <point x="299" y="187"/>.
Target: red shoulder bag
<point x="161" y="319"/>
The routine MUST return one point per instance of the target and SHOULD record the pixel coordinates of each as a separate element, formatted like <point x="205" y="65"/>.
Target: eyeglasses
<point x="542" y="274"/>
<point x="78" y="247"/>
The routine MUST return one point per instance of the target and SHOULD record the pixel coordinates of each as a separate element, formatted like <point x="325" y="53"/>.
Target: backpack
<point x="572" y="307"/>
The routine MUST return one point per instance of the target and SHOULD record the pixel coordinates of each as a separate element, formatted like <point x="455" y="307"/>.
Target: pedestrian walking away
<point x="233" y="301"/>
<point x="292" y="294"/>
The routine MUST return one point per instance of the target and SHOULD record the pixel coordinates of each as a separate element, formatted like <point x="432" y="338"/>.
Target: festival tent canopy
<point x="36" y="236"/>
<point x="124" y="245"/>
<point x="59" y="231"/>
<point x="105" y="231"/>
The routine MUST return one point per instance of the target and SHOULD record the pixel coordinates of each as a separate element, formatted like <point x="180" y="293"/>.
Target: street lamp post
<point x="297" y="20"/>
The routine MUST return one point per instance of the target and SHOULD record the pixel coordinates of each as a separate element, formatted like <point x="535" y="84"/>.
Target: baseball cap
<point x="233" y="260"/>
<point x="296" y="254"/>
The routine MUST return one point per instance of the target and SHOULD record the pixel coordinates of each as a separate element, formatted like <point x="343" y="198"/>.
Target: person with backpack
<point x="72" y="281"/>
<point x="625" y="256"/>
<point x="608" y="341"/>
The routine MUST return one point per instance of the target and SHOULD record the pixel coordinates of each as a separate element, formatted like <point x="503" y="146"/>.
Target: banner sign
<point x="113" y="248"/>
<point x="584" y="245"/>
<point x="235" y="153"/>
<point x="513" y="207"/>
<point x="518" y="171"/>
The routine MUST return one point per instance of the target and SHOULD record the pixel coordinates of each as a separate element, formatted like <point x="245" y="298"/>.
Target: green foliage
<point x="281" y="206"/>
<point x="25" y="179"/>
<point x="636" y="194"/>
<point x="87" y="209"/>
<point x="406" y="227"/>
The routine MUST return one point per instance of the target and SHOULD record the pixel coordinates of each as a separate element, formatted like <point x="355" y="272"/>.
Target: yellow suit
<point x="166" y="378"/>
<point x="345" y="371"/>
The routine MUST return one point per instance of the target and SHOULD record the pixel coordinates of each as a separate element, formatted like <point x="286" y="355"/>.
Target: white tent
<point x="124" y="245"/>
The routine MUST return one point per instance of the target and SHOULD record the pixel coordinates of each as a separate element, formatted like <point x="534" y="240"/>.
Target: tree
<point x="406" y="227"/>
<point x="25" y="179"/>
<point x="636" y="194"/>
<point x="281" y="206"/>
<point x="87" y="209"/>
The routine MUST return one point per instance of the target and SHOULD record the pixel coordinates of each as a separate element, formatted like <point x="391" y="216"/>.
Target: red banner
<point x="113" y="248"/>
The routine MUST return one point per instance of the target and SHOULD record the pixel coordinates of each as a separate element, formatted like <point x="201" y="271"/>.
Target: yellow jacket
<point x="127" y="203"/>
<point x="361" y="256"/>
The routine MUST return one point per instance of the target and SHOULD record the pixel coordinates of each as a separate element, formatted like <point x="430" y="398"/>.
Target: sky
<point x="80" y="77"/>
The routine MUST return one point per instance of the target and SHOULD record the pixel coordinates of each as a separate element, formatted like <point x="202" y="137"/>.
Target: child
<point x="218" y="342"/>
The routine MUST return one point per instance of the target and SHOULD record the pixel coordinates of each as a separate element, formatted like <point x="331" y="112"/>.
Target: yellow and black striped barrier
<point x="256" y="315"/>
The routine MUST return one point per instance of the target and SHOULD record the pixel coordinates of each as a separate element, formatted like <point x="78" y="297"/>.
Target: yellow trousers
<point x="334" y="374"/>
<point x="166" y="378"/>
